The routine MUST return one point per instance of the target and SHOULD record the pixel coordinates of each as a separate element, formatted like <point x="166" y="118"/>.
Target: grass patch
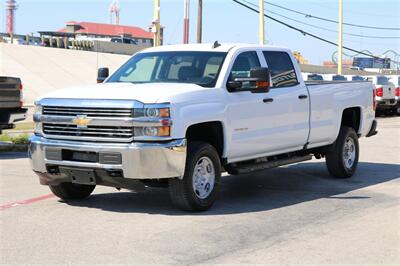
<point x="24" y="126"/>
<point x="20" y="139"/>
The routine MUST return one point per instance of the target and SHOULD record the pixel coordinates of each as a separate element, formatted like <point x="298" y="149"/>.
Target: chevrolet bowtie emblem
<point x="81" y="121"/>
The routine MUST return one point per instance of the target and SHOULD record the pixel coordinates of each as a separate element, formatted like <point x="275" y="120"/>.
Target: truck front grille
<point x="88" y="111"/>
<point x="92" y="132"/>
<point x="65" y="126"/>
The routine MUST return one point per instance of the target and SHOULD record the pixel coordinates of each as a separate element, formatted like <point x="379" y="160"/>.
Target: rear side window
<point x="382" y="80"/>
<point x="281" y="68"/>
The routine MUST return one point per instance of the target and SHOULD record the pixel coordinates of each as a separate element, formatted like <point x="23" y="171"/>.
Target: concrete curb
<point x="8" y="147"/>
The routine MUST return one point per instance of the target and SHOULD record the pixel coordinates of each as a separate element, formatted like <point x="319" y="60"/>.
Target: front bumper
<point x="137" y="160"/>
<point x="10" y="116"/>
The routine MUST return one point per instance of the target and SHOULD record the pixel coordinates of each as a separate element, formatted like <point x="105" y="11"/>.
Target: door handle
<point x="303" y="96"/>
<point x="268" y="100"/>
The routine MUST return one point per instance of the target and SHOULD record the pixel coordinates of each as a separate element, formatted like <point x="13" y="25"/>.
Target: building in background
<point x="107" y="31"/>
<point x="345" y="63"/>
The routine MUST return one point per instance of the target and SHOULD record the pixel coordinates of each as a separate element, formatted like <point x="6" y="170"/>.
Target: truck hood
<point x="145" y="93"/>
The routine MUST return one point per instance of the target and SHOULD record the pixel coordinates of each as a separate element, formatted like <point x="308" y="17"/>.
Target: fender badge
<point x="81" y="121"/>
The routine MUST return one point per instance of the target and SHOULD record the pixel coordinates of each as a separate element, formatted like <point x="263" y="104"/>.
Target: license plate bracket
<point x="80" y="176"/>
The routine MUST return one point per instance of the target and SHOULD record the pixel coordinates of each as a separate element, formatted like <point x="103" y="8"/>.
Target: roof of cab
<point x="207" y="47"/>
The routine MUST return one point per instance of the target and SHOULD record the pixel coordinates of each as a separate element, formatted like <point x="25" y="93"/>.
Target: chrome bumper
<point x="138" y="160"/>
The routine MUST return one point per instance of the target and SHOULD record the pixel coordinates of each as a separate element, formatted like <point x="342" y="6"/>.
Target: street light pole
<point x="261" y="26"/>
<point x="340" y="39"/>
<point x="186" y="7"/>
<point x="156" y="23"/>
<point x="199" y="20"/>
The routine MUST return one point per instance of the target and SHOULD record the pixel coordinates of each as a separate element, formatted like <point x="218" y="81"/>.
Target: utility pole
<point x="199" y="20"/>
<point x="340" y="39"/>
<point x="186" y="7"/>
<point x="261" y="27"/>
<point x="156" y="24"/>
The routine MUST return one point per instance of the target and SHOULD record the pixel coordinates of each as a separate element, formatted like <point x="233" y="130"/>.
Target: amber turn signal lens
<point x="262" y="84"/>
<point x="164" y="131"/>
<point x="164" y="112"/>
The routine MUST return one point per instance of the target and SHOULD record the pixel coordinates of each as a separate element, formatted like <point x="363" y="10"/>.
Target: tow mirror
<point x="102" y="74"/>
<point x="258" y="82"/>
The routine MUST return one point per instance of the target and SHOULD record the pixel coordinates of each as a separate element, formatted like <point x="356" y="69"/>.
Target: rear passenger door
<point x="288" y="110"/>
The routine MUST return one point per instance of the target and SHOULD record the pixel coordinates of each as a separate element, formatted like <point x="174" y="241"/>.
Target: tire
<point x="336" y="162"/>
<point x="201" y="157"/>
<point x="69" y="191"/>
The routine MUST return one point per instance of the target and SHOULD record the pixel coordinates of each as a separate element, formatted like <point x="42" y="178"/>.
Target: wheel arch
<point x="211" y="132"/>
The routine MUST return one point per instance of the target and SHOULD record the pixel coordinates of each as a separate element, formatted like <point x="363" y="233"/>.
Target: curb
<point x="10" y="147"/>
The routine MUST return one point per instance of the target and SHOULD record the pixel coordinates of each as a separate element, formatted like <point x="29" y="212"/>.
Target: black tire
<point x="335" y="159"/>
<point x="182" y="193"/>
<point x="69" y="191"/>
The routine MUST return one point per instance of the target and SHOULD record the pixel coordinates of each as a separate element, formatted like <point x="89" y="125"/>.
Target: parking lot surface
<point x="296" y="214"/>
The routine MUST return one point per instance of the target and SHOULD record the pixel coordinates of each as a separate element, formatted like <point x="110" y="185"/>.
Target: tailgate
<point x="388" y="91"/>
<point x="10" y="92"/>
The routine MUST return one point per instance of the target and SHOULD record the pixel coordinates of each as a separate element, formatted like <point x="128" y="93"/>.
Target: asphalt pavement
<point x="296" y="214"/>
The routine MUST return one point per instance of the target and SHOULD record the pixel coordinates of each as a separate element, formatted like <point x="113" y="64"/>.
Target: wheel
<point x="342" y="160"/>
<point x="197" y="190"/>
<point x="69" y="191"/>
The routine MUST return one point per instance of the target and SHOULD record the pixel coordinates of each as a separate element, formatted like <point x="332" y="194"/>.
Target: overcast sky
<point x="226" y="21"/>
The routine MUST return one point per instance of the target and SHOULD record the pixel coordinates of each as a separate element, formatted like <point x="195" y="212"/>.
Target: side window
<point x="281" y="68"/>
<point x="242" y="65"/>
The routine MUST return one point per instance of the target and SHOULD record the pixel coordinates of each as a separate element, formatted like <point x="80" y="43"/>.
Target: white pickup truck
<point x="180" y="115"/>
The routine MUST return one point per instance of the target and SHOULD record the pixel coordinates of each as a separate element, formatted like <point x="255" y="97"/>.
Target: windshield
<point x="382" y="81"/>
<point x="201" y="68"/>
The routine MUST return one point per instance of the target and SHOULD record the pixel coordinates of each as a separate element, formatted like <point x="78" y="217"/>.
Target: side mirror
<point x="102" y="74"/>
<point x="258" y="82"/>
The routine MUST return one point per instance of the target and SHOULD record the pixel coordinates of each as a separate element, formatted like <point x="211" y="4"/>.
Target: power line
<point x="330" y="20"/>
<point x="305" y="33"/>
<point x="326" y="29"/>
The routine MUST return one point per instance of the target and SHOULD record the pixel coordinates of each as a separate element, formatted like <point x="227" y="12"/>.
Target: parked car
<point x="357" y="78"/>
<point x="11" y="110"/>
<point x="315" y="77"/>
<point x="385" y="92"/>
<point x="123" y="40"/>
<point x="339" y="78"/>
<point x="180" y="114"/>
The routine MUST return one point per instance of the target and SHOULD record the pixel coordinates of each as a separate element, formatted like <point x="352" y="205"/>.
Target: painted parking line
<point x="25" y="202"/>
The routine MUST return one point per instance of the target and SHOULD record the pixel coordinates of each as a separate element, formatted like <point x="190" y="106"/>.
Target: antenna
<point x="216" y="45"/>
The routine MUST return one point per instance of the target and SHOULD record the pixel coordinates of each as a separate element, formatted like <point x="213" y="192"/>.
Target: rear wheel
<point x="198" y="189"/>
<point x="342" y="160"/>
<point x="69" y="191"/>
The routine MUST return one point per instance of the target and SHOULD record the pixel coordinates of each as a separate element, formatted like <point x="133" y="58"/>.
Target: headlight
<point x="164" y="131"/>
<point x="38" y="109"/>
<point x="152" y="112"/>
<point x="38" y="125"/>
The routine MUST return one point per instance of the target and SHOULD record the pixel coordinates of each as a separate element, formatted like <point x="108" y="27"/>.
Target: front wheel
<point x="69" y="191"/>
<point x="197" y="190"/>
<point x="342" y="160"/>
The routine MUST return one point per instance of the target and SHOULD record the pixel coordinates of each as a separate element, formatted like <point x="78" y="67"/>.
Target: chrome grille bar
<point x="88" y="111"/>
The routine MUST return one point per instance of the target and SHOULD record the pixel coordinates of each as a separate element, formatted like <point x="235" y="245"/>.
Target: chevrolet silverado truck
<point x="179" y="115"/>
<point x="11" y="110"/>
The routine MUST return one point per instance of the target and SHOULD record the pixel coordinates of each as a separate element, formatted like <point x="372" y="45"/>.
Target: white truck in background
<point x="385" y="94"/>
<point x="178" y="115"/>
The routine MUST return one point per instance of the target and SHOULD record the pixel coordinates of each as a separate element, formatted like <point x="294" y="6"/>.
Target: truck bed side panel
<point x="328" y="100"/>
